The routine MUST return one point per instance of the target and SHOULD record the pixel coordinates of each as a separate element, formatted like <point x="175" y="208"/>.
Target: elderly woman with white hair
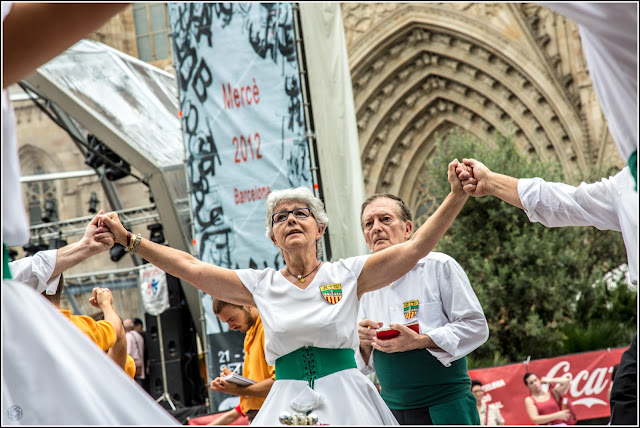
<point x="309" y="307"/>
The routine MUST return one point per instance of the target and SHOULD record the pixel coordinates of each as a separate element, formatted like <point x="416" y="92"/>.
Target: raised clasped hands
<point x="112" y="222"/>
<point x="98" y="237"/>
<point x="454" y="180"/>
<point x="474" y="177"/>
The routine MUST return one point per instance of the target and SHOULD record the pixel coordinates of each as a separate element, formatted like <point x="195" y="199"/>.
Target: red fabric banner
<point x="590" y="374"/>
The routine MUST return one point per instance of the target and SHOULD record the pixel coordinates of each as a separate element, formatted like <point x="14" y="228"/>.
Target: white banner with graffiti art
<point x="244" y="134"/>
<point x="153" y="289"/>
<point x="242" y="122"/>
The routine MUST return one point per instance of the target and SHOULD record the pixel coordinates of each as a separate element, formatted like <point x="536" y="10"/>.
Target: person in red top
<point x="229" y="417"/>
<point x="543" y="406"/>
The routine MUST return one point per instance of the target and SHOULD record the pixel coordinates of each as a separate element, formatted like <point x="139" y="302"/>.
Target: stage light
<point x="93" y="202"/>
<point x="92" y="158"/>
<point x="33" y="247"/>
<point x="115" y="169"/>
<point x="30" y="249"/>
<point x="157" y="235"/>
<point x="117" y="252"/>
<point x="50" y="211"/>
<point x="117" y="172"/>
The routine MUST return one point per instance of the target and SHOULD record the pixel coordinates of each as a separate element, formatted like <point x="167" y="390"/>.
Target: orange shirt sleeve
<point x="101" y="332"/>
<point x="130" y="367"/>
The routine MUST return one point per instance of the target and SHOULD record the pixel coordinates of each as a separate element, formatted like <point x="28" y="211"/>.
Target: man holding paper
<point x="247" y="320"/>
<point x="423" y="375"/>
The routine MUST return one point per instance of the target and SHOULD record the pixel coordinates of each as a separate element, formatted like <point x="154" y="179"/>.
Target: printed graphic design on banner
<point x="154" y="290"/>
<point x="243" y="128"/>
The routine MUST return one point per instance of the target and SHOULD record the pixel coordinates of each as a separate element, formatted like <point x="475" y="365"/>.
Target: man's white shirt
<point x="448" y="309"/>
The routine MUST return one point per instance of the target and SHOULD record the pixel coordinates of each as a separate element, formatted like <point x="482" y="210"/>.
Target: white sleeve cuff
<point x="365" y="367"/>
<point x="447" y="342"/>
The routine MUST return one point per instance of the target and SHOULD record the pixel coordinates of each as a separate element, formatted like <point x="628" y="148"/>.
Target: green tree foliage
<point x="605" y="314"/>
<point x="534" y="283"/>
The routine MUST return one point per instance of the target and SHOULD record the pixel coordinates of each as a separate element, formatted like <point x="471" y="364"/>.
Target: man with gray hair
<point x="423" y="375"/>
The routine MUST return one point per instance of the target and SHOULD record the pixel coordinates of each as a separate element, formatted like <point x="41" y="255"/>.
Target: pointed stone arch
<point x="426" y="68"/>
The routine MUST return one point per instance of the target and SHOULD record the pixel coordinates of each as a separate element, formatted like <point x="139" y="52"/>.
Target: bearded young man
<point x="246" y="320"/>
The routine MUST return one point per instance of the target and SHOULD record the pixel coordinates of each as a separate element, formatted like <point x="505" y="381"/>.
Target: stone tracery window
<point x="39" y="195"/>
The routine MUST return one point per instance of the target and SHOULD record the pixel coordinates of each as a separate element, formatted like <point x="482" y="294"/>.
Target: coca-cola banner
<point x="590" y="374"/>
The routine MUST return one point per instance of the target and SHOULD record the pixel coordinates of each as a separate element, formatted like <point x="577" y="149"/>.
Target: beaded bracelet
<point x="135" y="246"/>
<point x="126" y="248"/>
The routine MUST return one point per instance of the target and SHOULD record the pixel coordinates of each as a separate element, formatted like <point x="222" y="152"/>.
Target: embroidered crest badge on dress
<point x="332" y="293"/>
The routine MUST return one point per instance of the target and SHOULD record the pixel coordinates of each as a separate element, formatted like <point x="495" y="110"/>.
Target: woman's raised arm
<point x="216" y="281"/>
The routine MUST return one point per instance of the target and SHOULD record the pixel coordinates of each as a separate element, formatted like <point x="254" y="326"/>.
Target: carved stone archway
<point x="422" y="69"/>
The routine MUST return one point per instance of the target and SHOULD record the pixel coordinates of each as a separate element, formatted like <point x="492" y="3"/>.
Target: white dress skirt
<point x="293" y="318"/>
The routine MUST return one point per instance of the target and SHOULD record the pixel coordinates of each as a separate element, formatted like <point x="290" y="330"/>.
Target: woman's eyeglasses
<point x="281" y="216"/>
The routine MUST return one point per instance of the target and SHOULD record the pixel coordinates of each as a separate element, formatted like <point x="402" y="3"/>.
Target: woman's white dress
<point x="293" y="318"/>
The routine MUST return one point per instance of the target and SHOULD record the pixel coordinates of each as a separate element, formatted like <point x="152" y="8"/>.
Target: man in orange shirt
<point x="247" y="320"/>
<point x="107" y="332"/>
<point x="43" y="272"/>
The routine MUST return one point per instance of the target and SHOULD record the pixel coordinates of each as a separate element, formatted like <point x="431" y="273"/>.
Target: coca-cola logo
<point x="584" y="384"/>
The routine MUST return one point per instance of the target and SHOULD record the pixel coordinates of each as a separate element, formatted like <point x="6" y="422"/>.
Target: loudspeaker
<point x="176" y="295"/>
<point x="184" y="384"/>
<point x="178" y="335"/>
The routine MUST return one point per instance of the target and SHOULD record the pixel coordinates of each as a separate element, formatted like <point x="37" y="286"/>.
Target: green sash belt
<point x="310" y="363"/>
<point x="6" y="272"/>
<point x="633" y="167"/>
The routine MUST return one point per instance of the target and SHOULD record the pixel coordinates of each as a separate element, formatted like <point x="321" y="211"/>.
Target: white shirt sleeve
<point x="354" y="264"/>
<point x="366" y="367"/>
<point x="250" y="278"/>
<point x="559" y="204"/>
<point x="467" y="328"/>
<point x="610" y="204"/>
<point x="36" y="271"/>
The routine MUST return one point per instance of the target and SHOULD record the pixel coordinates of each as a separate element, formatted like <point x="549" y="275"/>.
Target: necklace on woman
<point x="302" y="277"/>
